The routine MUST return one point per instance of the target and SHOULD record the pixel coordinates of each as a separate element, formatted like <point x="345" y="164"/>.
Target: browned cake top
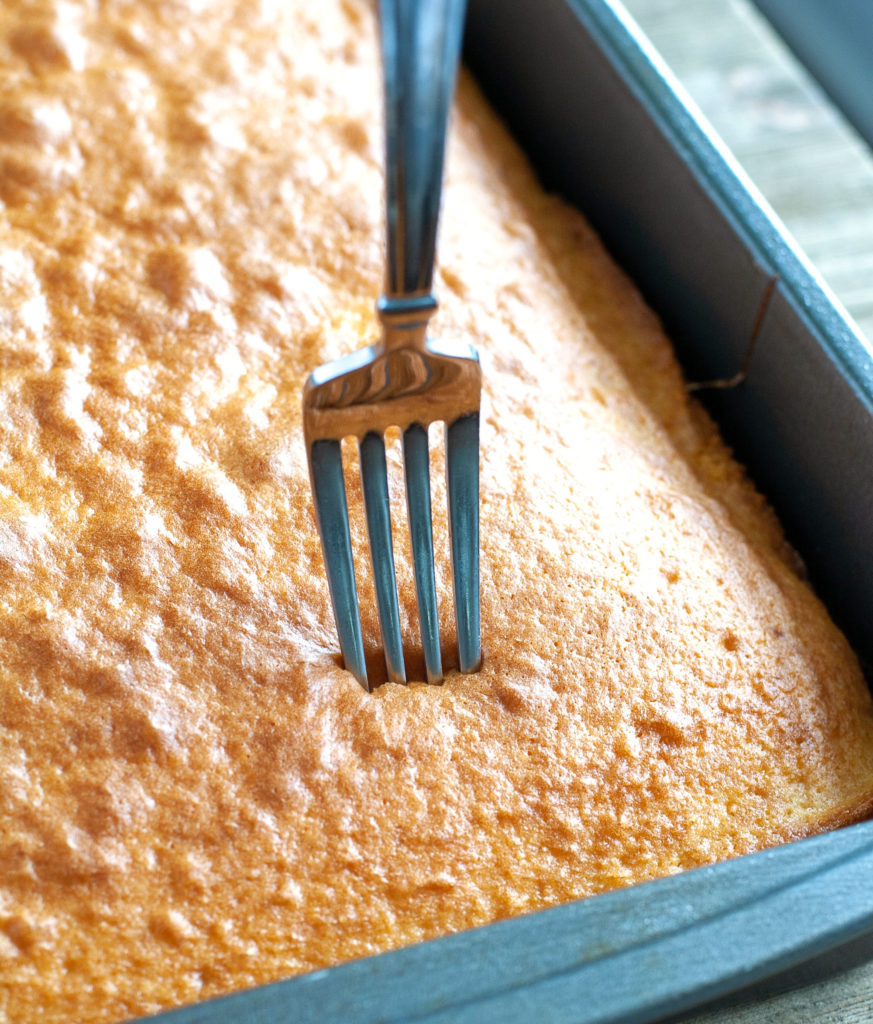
<point x="195" y="797"/>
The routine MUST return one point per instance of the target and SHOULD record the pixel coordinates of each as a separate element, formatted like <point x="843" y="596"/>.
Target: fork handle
<point x="421" y="42"/>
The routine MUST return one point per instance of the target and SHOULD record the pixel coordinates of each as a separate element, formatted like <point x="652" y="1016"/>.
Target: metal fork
<point x="407" y="380"/>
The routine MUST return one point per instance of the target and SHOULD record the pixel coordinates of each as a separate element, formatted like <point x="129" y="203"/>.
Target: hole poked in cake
<point x="413" y="659"/>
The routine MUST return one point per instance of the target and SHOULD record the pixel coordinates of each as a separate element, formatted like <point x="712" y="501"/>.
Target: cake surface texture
<point x="196" y="797"/>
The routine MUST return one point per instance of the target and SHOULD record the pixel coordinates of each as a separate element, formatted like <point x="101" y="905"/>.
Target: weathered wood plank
<point x="844" y="999"/>
<point x="808" y="162"/>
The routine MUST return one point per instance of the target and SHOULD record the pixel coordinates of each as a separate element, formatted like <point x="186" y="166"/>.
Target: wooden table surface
<point x="812" y="167"/>
<point x="847" y="998"/>
<point x="817" y="174"/>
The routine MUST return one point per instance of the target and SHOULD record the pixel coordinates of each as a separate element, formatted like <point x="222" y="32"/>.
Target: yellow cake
<point x="196" y="797"/>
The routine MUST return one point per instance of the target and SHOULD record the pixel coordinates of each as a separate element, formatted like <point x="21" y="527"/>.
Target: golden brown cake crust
<point x="195" y="797"/>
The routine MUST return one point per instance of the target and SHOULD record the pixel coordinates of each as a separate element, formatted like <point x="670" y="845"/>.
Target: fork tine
<point x="331" y="510"/>
<point x="462" y="473"/>
<point x="417" y="464"/>
<point x="374" y="477"/>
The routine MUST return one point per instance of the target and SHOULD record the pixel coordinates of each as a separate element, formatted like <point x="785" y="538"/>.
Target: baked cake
<point x="196" y="797"/>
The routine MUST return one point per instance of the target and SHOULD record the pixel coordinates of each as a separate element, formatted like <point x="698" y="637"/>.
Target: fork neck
<point x="405" y="319"/>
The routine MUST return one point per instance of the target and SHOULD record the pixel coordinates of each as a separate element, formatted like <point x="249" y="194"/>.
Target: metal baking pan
<point x="605" y="125"/>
